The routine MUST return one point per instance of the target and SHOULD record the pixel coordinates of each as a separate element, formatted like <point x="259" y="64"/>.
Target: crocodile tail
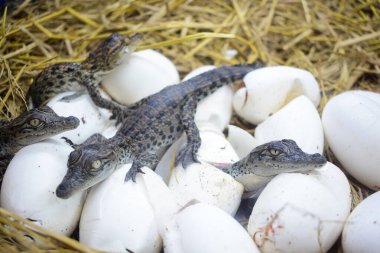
<point x="206" y="83"/>
<point x="257" y="64"/>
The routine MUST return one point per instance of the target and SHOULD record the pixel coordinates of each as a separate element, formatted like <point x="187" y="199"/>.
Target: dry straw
<point x="337" y="41"/>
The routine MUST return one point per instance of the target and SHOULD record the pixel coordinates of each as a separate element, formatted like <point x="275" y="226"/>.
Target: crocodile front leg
<point x="119" y="112"/>
<point x="188" y="154"/>
<point x="147" y="159"/>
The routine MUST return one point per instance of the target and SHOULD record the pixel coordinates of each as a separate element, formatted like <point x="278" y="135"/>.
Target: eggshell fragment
<point x="269" y="89"/>
<point x="165" y="209"/>
<point x="242" y="141"/>
<point x="299" y="121"/>
<point x="194" y="227"/>
<point x="144" y="73"/>
<point x="206" y="228"/>
<point x="362" y="229"/>
<point x="92" y="119"/>
<point x="204" y="182"/>
<point x="118" y="217"/>
<point x="351" y="123"/>
<point x="29" y="185"/>
<point x="301" y="213"/>
<point x="217" y="107"/>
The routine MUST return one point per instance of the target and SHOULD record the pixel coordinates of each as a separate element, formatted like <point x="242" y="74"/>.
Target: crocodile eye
<point x="274" y="152"/>
<point x="96" y="164"/>
<point x="74" y="156"/>
<point x="35" y="122"/>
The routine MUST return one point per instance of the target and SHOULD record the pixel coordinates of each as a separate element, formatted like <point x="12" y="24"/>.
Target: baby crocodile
<point x="68" y="76"/>
<point x="270" y="159"/>
<point x="149" y="125"/>
<point x="28" y="128"/>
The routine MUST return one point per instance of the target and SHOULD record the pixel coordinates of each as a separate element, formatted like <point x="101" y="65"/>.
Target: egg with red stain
<point x="301" y="213"/>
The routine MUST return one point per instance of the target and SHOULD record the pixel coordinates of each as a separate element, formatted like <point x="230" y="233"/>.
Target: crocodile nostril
<point x="61" y="191"/>
<point x="73" y="120"/>
<point x="319" y="159"/>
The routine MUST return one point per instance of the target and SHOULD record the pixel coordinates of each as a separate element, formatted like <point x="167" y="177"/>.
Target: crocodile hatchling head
<point x="87" y="166"/>
<point x="38" y="124"/>
<point x="271" y="159"/>
<point x="109" y="53"/>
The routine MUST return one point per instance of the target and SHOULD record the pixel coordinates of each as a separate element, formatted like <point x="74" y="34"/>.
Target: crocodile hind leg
<point x="147" y="159"/>
<point x="188" y="154"/>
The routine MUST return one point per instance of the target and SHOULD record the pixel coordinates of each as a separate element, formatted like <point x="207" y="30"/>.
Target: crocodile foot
<point x="132" y="173"/>
<point x="187" y="156"/>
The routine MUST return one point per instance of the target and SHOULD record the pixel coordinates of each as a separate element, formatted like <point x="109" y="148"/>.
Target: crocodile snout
<point x="62" y="192"/>
<point x="73" y="121"/>
<point x="318" y="159"/>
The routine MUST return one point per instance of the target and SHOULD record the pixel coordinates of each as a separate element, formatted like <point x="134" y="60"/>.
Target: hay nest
<point x="337" y="41"/>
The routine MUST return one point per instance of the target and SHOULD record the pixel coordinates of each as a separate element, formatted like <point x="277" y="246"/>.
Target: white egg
<point x="206" y="228"/>
<point x="29" y="185"/>
<point x="269" y="89"/>
<point x="92" y="119"/>
<point x="242" y="141"/>
<point x="204" y="182"/>
<point x="301" y="213"/>
<point x="193" y="227"/>
<point x="217" y="107"/>
<point x="361" y="232"/>
<point x="351" y="123"/>
<point x="299" y="121"/>
<point x="145" y="73"/>
<point x="118" y="217"/>
<point x="220" y="152"/>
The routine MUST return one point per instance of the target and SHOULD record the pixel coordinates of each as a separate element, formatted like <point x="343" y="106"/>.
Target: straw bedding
<point x="337" y="41"/>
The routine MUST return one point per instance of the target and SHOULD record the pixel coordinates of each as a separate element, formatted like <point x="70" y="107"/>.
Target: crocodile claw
<point x="132" y="173"/>
<point x="187" y="156"/>
<point x="68" y="141"/>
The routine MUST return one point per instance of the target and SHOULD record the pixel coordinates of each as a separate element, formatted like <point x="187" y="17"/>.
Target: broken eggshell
<point x="215" y="108"/>
<point x="202" y="181"/>
<point x="117" y="217"/>
<point x="351" y="124"/>
<point x="242" y="141"/>
<point x="206" y="228"/>
<point x="142" y="74"/>
<point x="301" y="213"/>
<point x="29" y="184"/>
<point x="299" y="121"/>
<point x="196" y="227"/>
<point x="268" y="89"/>
<point x="92" y="119"/>
<point x="362" y="228"/>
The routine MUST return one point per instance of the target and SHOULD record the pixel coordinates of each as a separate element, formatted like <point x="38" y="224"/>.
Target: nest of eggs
<point x="337" y="41"/>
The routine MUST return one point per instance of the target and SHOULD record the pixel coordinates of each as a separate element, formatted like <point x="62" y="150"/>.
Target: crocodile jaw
<point x="75" y="181"/>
